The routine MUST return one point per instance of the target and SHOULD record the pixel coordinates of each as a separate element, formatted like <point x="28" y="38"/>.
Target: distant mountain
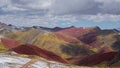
<point x="4" y="28"/>
<point x="51" y="29"/>
<point x="118" y="29"/>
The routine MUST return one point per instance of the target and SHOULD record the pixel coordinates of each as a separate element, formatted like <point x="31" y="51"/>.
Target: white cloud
<point x="23" y="21"/>
<point x="36" y="11"/>
<point x="101" y="17"/>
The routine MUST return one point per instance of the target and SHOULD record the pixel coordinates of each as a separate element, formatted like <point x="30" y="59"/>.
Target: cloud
<point x="32" y="4"/>
<point x="24" y="7"/>
<point x="110" y="6"/>
<point x="85" y="7"/>
<point x="74" y="7"/>
<point x="23" y="21"/>
<point x="58" y="7"/>
<point x="22" y="11"/>
<point x="101" y="17"/>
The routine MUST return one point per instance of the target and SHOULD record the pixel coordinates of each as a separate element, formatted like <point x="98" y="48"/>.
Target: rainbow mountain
<point x="73" y="45"/>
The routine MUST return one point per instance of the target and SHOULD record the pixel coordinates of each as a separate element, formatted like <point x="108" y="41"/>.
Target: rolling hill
<point x="74" y="44"/>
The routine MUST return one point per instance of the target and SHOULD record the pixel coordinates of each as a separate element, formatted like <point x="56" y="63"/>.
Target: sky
<point x="62" y="13"/>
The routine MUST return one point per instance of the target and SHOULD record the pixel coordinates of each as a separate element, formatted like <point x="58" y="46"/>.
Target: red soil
<point x="32" y="50"/>
<point x="96" y="59"/>
<point x="73" y="35"/>
<point x="9" y="43"/>
<point x="105" y="49"/>
<point x="75" y="32"/>
<point x="67" y="38"/>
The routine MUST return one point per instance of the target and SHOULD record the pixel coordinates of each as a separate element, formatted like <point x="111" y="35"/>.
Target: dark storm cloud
<point x="75" y="7"/>
<point x="63" y="7"/>
<point x="86" y="7"/>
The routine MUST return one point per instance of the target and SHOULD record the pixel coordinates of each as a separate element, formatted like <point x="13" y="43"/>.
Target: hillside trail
<point x="30" y="63"/>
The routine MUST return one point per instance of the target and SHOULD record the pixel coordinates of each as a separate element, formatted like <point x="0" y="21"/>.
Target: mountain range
<point x="81" y="46"/>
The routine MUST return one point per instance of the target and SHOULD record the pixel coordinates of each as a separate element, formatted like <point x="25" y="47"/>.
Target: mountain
<point x="4" y="28"/>
<point x="91" y="60"/>
<point x="99" y="58"/>
<point x="92" y="38"/>
<point x="95" y="38"/>
<point x="31" y="50"/>
<point x="48" y="41"/>
<point x="118" y="29"/>
<point x="51" y="29"/>
<point x="77" y="33"/>
<point x="72" y="44"/>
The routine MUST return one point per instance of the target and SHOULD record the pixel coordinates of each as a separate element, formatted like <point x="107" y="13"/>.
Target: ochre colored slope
<point x="106" y="43"/>
<point x="3" y="48"/>
<point x="42" y="39"/>
<point x="67" y="38"/>
<point x="37" y="37"/>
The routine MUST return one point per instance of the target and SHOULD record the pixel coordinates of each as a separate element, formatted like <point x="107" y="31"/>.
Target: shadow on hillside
<point x="75" y="50"/>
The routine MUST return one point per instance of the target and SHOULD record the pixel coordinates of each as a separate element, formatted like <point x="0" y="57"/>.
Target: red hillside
<point x="32" y="50"/>
<point x="10" y="43"/>
<point x="75" y="32"/>
<point x="97" y="59"/>
<point x="77" y="35"/>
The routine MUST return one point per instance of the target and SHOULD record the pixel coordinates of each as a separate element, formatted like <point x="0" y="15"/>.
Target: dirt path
<point x="29" y="63"/>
